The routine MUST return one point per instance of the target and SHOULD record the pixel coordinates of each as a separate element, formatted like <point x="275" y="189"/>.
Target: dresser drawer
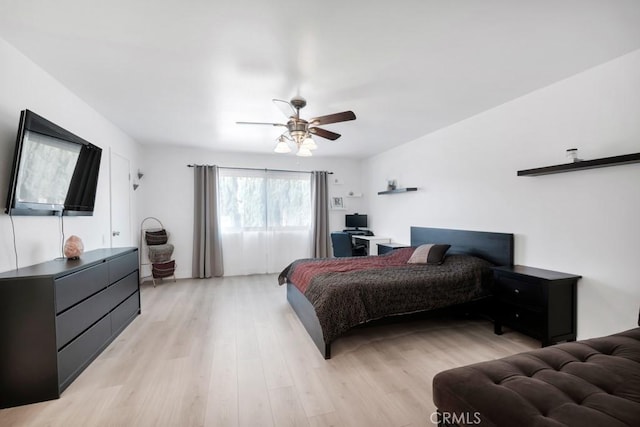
<point x="78" y="318"/>
<point x="519" y="291"/>
<point x="76" y="356"/>
<point x="122" y="315"/>
<point x="122" y="266"/>
<point x="120" y="290"/>
<point x="76" y="287"/>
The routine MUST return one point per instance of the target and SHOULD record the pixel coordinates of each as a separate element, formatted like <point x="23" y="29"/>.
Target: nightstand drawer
<point x="519" y="291"/>
<point x="529" y="321"/>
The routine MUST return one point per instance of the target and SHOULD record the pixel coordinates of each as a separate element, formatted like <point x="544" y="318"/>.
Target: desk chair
<point x="343" y="247"/>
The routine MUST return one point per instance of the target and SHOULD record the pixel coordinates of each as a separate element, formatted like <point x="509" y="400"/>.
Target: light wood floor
<point x="231" y="352"/>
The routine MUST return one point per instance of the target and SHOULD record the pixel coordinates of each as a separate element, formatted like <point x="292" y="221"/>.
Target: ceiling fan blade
<point x="333" y="118"/>
<point x="324" y="133"/>
<point x="284" y="106"/>
<point x="261" y="123"/>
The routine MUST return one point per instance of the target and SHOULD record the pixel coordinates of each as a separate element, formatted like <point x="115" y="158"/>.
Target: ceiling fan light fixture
<point x="282" y="146"/>
<point x="309" y="143"/>
<point x="299" y="131"/>
<point x="304" y="152"/>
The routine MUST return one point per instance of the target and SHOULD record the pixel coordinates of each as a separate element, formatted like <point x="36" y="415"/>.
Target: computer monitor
<point x="355" y="221"/>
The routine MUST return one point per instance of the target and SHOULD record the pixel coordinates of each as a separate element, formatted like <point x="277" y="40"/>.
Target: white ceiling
<point x="182" y="72"/>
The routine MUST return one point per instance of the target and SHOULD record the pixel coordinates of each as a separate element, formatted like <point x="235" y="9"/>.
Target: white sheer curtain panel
<point x="265" y="219"/>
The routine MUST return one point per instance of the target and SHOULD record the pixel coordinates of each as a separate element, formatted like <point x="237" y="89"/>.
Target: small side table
<point x="384" y="248"/>
<point x="540" y="303"/>
<point x="370" y="243"/>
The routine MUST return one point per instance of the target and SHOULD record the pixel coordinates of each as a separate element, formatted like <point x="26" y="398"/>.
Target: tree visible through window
<point x="264" y="200"/>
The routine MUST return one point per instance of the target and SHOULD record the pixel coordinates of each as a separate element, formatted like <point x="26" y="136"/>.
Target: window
<point x="254" y="200"/>
<point x="265" y="219"/>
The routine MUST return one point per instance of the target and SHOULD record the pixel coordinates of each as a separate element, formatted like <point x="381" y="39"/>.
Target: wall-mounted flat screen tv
<point x="54" y="171"/>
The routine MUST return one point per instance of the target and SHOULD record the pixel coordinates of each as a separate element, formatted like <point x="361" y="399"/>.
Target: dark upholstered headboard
<point x="494" y="247"/>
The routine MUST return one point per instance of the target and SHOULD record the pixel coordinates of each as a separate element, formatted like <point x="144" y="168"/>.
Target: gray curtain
<point x="207" y="243"/>
<point x="320" y="243"/>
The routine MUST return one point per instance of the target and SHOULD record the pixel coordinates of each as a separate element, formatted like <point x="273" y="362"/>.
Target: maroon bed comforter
<point x="346" y="292"/>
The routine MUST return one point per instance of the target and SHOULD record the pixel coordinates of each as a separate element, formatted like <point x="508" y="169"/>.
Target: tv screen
<point x="355" y="221"/>
<point x="54" y="171"/>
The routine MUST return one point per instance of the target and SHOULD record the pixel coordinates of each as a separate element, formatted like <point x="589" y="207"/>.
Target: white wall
<point x="24" y="85"/>
<point x="586" y="222"/>
<point x="166" y="190"/>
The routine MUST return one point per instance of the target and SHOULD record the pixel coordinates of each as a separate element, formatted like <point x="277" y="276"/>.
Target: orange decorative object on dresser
<point x="73" y="247"/>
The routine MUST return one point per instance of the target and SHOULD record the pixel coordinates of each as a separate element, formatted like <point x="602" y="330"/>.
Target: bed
<point x="331" y="296"/>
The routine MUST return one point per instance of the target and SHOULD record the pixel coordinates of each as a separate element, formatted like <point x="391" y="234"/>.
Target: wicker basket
<point x="160" y="270"/>
<point x="158" y="237"/>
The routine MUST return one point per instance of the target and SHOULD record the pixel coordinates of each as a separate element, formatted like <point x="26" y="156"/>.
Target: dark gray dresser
<point x="56" y="317"/>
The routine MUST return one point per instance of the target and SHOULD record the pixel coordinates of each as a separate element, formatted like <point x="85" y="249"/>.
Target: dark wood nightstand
<point x="539" y="303"/>
<point x="383" y="248"/>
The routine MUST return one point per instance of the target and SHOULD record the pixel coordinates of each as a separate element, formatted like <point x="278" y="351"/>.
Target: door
<point x="120" y="178"/>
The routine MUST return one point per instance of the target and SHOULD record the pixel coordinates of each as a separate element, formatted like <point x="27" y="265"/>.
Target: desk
<point x="370" y="243"/>
<point x="359" y="232"/>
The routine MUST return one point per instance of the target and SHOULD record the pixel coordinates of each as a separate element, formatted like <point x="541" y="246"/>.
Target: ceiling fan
<point x="299" y="131"/>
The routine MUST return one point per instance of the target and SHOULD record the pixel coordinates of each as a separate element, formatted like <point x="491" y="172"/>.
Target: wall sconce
<point x="136" y="185"/>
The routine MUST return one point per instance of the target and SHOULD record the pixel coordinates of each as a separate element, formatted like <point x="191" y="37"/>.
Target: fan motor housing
<point x="298" y="102"/>
<point x="297" y="125"/>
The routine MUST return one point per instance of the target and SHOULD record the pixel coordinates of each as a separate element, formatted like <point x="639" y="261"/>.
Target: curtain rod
<point x="259" y="169"/>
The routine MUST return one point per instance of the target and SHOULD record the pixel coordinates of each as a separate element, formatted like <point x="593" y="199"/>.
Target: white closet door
<point x="120" y="181"/>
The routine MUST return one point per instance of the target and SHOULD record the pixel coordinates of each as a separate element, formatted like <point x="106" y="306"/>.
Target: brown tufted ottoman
<point x="593" y="382"/>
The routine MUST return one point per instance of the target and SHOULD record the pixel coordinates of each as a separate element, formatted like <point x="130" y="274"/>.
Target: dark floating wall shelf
<point x="581" y="165"/>
<point x="398" y="190"/>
